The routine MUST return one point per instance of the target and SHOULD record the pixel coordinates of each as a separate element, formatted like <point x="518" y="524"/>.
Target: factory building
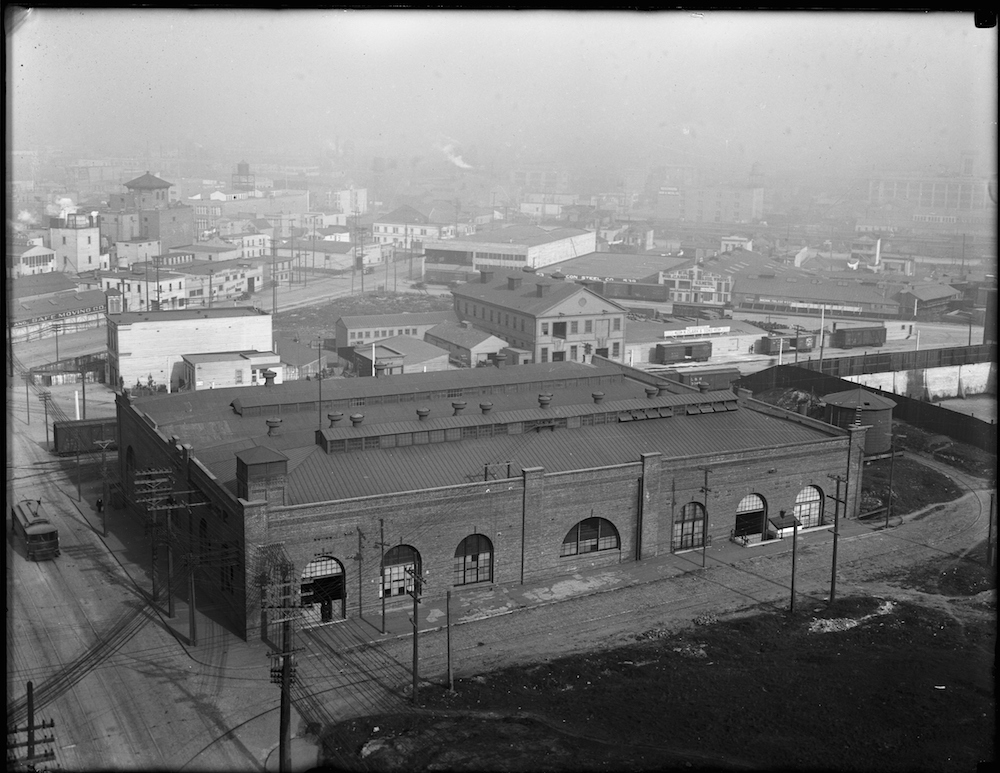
<point x="465" y="479"/>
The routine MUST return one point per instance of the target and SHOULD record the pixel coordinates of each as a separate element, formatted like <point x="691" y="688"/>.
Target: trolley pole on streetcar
<point x="27" y="396"/>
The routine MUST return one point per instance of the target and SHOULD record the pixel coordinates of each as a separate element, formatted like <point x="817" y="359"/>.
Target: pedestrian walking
<point x="100" y="505"/>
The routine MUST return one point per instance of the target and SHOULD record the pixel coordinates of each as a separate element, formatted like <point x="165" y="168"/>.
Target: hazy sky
<point x="801" y="88"/>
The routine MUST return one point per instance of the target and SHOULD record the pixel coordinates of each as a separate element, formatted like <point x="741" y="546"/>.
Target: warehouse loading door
<point x="324" y="592"/>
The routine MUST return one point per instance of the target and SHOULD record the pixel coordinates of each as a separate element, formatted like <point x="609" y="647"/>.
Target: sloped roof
<point x="395" y="320"/>
<point x="461" y="335"/>
<point x="147" y="182"/>
<point x="41" y="284"/>
<point x="413" y="349"/>
<point x="404" y="215"/>
<point x="932" y="292"/>
<point x="525" y="298"/>
<point x="853" y="398"/>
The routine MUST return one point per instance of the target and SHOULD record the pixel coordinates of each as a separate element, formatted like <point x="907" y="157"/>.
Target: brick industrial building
<point x="466" y="477"/>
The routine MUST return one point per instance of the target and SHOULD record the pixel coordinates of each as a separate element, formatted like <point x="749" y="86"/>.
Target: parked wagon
<point x="72" y="436"/>
<point x="30" y="522"/>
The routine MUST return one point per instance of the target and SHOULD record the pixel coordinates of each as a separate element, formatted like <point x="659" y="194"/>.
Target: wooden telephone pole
<point x="282" y="604"/>
<point x="415" y="592"/>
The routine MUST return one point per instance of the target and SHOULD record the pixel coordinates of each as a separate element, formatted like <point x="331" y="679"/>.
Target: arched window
<point x="750" y="515"/>
<point x="589" y="536"/>
<point x="809" y="507"/>
<point x="474" y="560"/>
<point x="689" y="528"/>
<point x="396" y="567"/>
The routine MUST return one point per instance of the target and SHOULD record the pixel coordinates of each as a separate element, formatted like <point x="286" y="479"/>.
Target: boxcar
<point x="70" y="436"/>
<point x="715" y="378"/>
<point x="667" y="354"/>
<point x="850" y="337"/>
<point x="30" y="522"/>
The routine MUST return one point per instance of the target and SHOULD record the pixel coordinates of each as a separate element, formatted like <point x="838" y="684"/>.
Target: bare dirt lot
<point x="864" y="684"/>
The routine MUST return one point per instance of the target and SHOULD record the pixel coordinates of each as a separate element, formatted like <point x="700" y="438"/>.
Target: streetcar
<point x="30" y="521"/>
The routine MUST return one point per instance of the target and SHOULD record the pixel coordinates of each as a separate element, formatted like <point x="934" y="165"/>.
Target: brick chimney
<point x="513" y="282"/>
<point x="542" y="289"/>
<point x="485" y="277"/>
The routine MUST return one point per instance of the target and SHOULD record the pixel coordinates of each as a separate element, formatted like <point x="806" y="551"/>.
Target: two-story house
<point x="553" y="319"/>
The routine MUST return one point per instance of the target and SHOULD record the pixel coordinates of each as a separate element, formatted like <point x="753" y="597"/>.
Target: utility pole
<point x="32" y="757"/>
<point x="361" y="538"/>
<point x="705" y="490"/>
<point x="447" y="618"/>
<point x="284" y="603"/>
<point x="56" y="328"/>
<point x="45" y="396"/>
<point x="27" y="395"/>
<point x="104" y="479"/>
<point x="892" y="463"/>
<point x="381" y="576"/>
<point x="319" y="377"/>
<point x="415" y="592"/>
<point x="795" y="542"/>
<point x="838" y="501"/>
<point x="274" y="276"/>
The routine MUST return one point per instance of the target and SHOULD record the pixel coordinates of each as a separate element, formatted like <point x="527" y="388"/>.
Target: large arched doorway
<point x="324" y="592"/>
<point x="398" y="567"/>
<point x="751" y="517"/>
<point x="689" y="528"/>
<point x="809" y="507"/>
<point x="474" y="560"/>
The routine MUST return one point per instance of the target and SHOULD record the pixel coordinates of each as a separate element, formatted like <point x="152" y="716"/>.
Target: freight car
<point x="850" y="337"/>
<point x="715" y="378"/>
<point x="72" y="436"/>
<point x="668" y="354"/>
<point x="772" y="345"/>
<point x="30" y="522"/>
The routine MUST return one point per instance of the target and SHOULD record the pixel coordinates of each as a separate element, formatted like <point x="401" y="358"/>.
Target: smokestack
<point x="544" y="400"/>
<point x="459" y="406"/>
<point x="423" y="413"/>
<point x="598" y="397"/>
<point x="485" y="407"/>
<point x="357" y="418"/>
<point x="272" y="427"/>
<point x="269" y="377"/>
<point x="335" y="418"/>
